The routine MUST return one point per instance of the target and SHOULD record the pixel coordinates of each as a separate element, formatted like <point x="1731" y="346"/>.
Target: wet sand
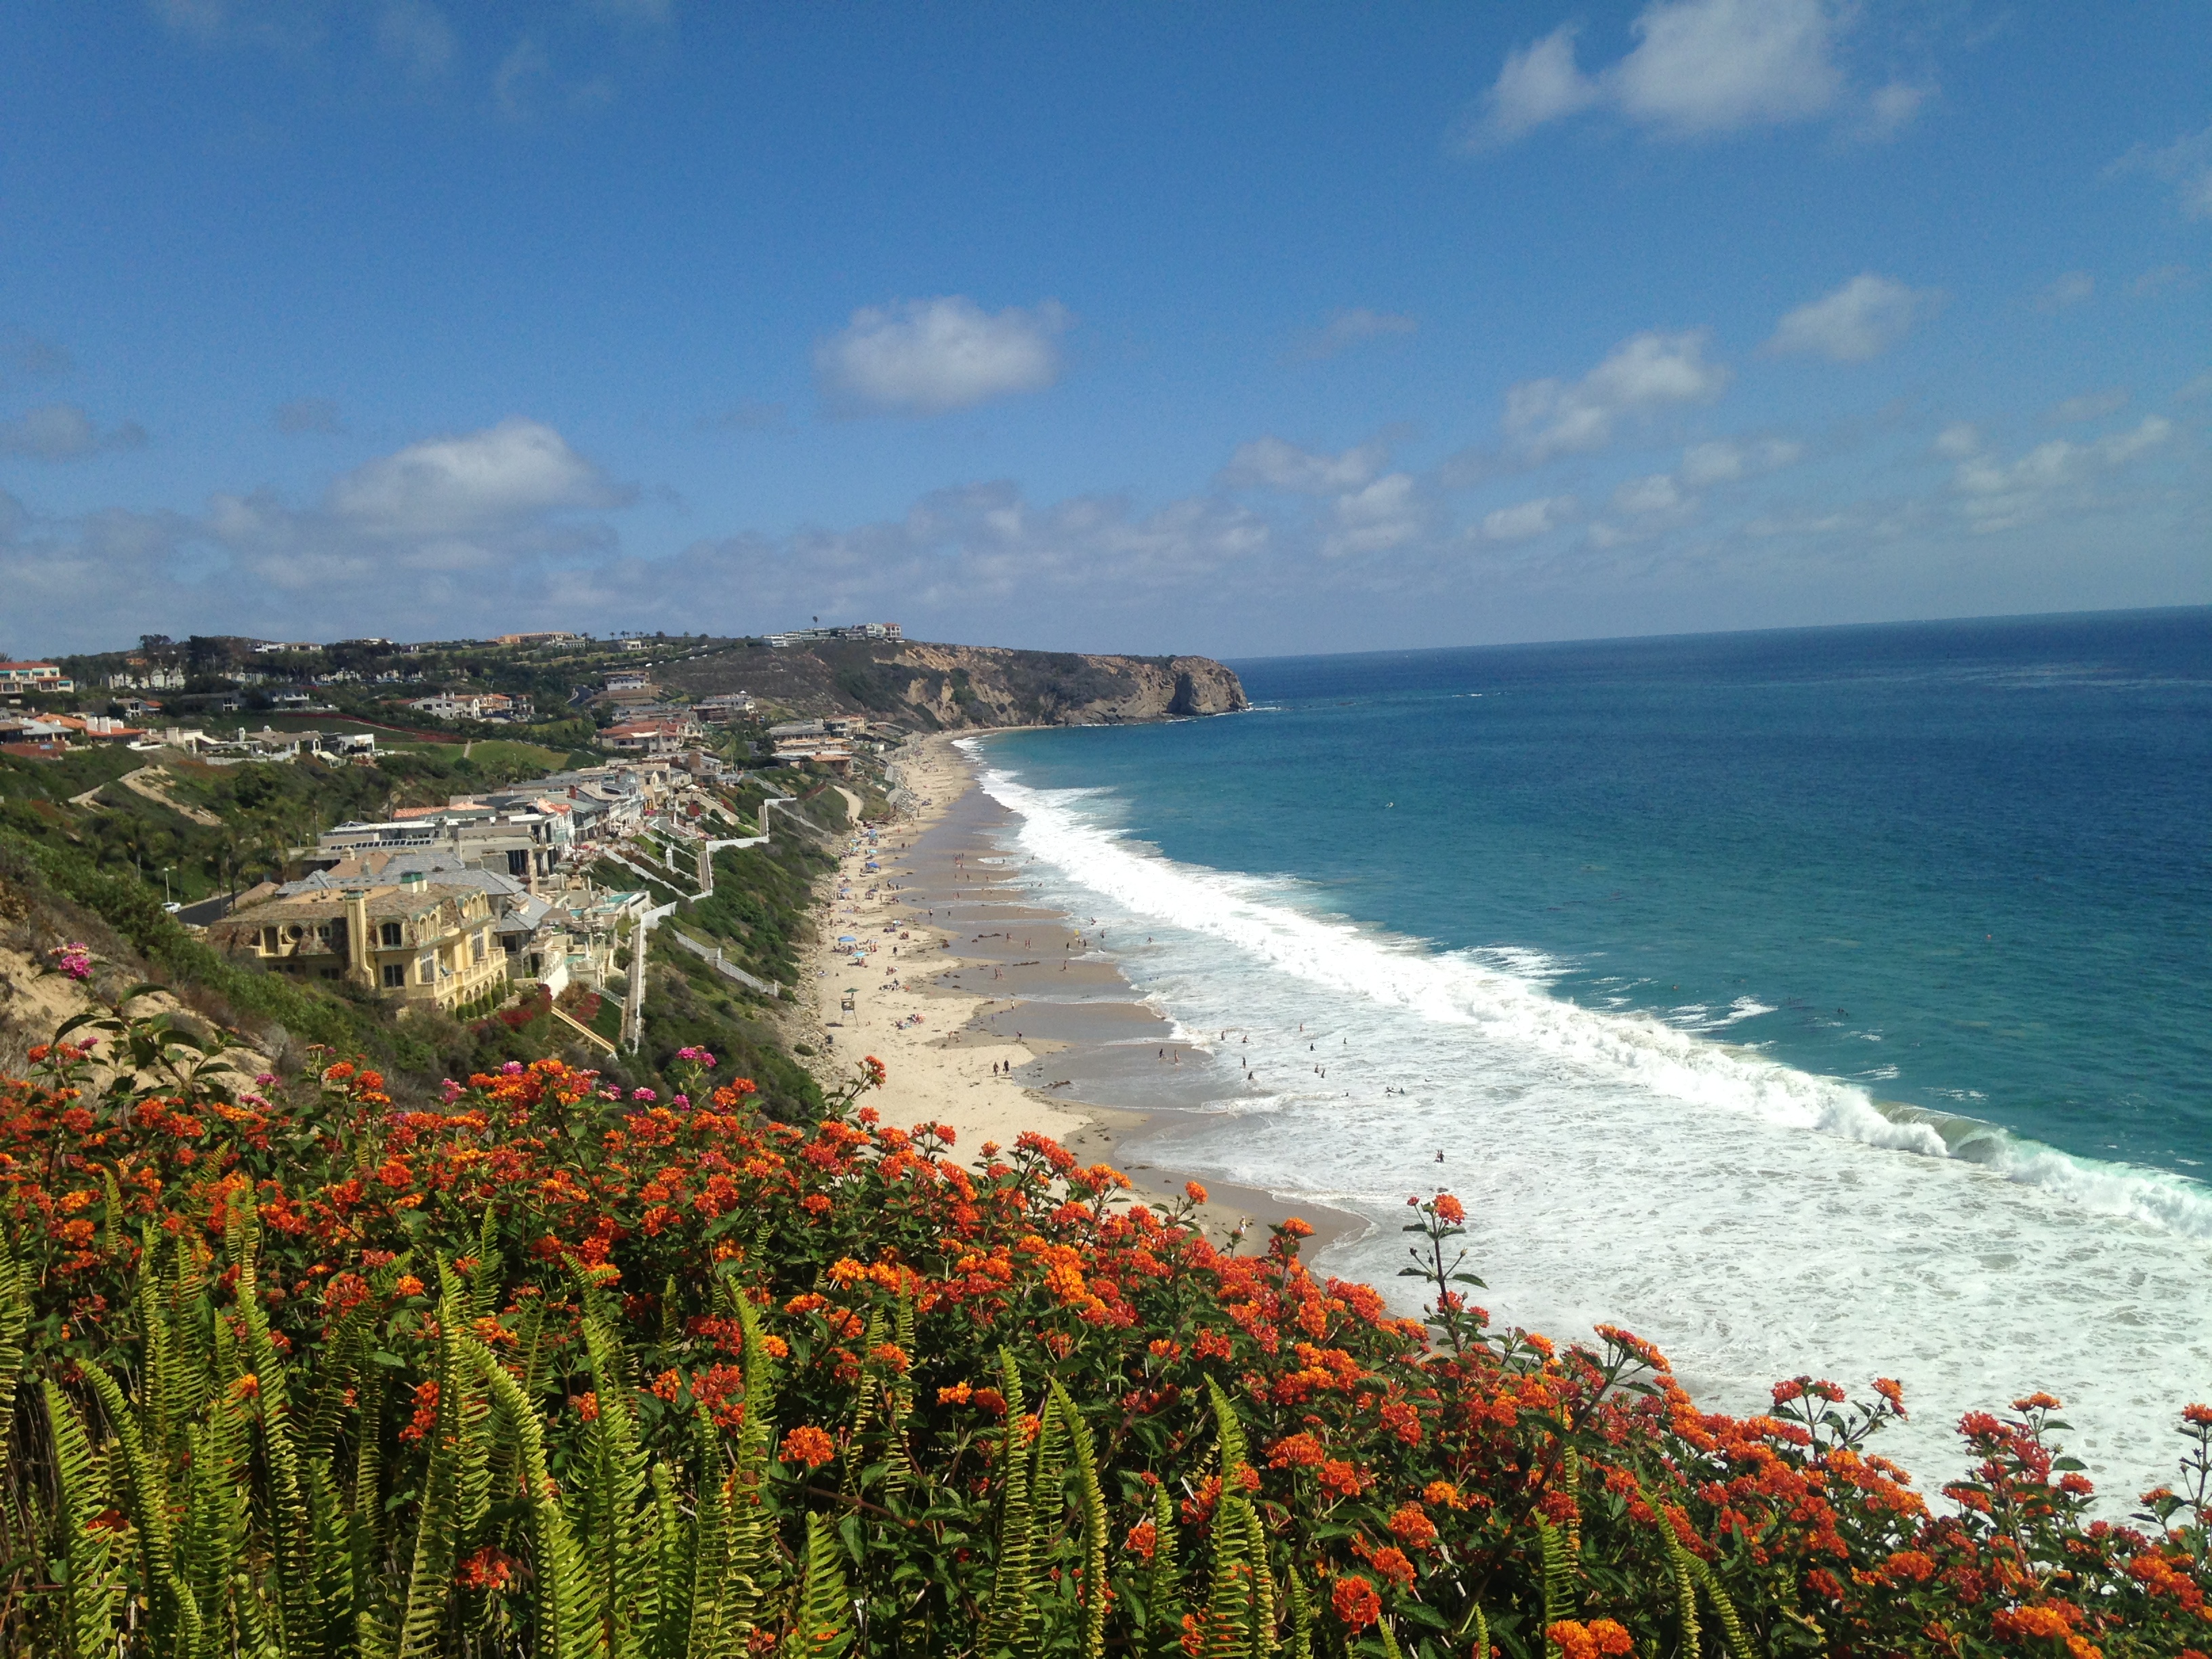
<point x="961" y="972"/>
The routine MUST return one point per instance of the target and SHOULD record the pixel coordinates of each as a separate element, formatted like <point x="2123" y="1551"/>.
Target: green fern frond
<point x="1227" y="1621"/>
<point x="290" y="1524"/>
<point x="610" y="1529"/>
<point x="438" y="1522"/>
<point x="1686" y="1592"/>
<point x="1164" y="1604"/>
<point x="1475" y="1625"/>
<point x="1558" y="1573"/>
<point x="1302" y="1615"/>
<point x="822" y="1623"/>
<point x="1263" y="1581"/>
<point x="672" y="1538"/>
<point x="15" y="1320"/>
<point x="91" y="1590"/>
<point x="1739" y="1639"/>
<point x="1090" y="1500"/>
<point x="1230" y="1432"/>
<point x="147" y="1503"/>
<point x="561" y="1592"/>
<point x="1006" y="1618"/>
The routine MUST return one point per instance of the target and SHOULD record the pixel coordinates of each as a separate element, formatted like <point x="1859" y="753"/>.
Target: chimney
<point x="360" y="964"/>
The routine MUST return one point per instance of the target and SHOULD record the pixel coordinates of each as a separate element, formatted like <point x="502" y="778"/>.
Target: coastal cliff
<point x="959" y="687"/>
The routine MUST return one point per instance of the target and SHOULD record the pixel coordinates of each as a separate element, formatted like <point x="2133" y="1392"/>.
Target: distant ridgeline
<point x="952" y="687"/>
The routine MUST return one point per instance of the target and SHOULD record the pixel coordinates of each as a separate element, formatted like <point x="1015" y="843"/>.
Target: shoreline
<point x="941" y="887"/>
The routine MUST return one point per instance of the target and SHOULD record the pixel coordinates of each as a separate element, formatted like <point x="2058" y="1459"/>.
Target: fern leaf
<point x="15" y="1320"/>
<point x="1263" y="1582"/>
<point x="1558" y="1573"/>
<point x="1302" y="1615"/>
<point x="1163" y="1606"/>
<point x="558" y="1564"/>
<point x="1091" y="1501"/>
<point x="1006" y="1618"/>
<point x="821" y="1626"/>
<point x="147" y="1502"/>
<point x="92" y="1591"/>
<point x="438" y="1519"/>
<point x="614" y="1478"/>
<point x="672" y="1546"/>
<point x="1739" y="1639"/>
<point x="290" y="1525"/>
<point x="1686" y="1591"/>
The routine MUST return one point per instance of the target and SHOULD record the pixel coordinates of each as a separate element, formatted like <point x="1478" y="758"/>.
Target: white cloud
<point x="1890" y="109"/>
<point x="1548" y="418"/>
<point x="2088" y="407"/>
<point x="1526" y="521"/>
<point x="2186" y="164"/>
<point x="2158" y="278"/>
<point x="1723" y="460"/>
<point x="1999" y="494"/>
<point x="1862" y="319"/>
<point x="1348" y="329"/>
<point x="63" y="432"/>
<point x="1959" y="440"/>
<point x="1697" y="66"/>
<point x="1539" y="83"/>
<point x="925" y="357"/>
<point x="1658" y="493"/>
<point x="1270" y="463"/>
<point x="515" y="471"/>
<point x="1708" y="65"/>
<point x="2070" y="290"/>
<point x="515" y="81"/>
<point x="1388" y="513"/>
<point x="2198" y="388"/>
<point x="415" y="35"/>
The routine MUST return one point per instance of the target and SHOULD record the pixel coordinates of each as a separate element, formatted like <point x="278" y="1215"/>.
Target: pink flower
<point x="513" y="1069"/>
<point x="682" y="1100"/>
<point x="697" y="1056"/>
<point x="645" y="1095"/>
<point x="265" y="1080"/>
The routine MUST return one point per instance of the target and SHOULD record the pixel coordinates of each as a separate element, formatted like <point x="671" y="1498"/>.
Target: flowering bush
<point x="550" y="1370"/>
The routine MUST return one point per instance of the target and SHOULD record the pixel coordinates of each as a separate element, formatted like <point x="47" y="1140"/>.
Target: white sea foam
<point x="1755" y="1220"/>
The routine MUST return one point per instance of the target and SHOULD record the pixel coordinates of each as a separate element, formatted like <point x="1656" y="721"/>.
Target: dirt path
<point x="143" y="783"/>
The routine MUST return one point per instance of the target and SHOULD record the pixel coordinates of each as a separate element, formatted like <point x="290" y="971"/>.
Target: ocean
<point x="1832" y="1001"/>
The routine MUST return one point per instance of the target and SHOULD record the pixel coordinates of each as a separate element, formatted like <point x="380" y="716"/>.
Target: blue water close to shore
<point x="1967" y="865"/>
<point x="1833" y="1000"/>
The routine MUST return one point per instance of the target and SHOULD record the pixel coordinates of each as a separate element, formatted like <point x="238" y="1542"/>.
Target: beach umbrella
<point x="846" y="938"/>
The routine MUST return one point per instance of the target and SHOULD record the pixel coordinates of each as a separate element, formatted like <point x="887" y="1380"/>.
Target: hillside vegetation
<point x="554" y="1368"/>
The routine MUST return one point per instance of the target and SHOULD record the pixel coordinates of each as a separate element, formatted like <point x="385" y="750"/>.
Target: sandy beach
<point x="989" y="1011"/>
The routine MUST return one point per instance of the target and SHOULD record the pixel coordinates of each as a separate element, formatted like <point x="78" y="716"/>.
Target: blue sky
<point x="1231" y="329"/>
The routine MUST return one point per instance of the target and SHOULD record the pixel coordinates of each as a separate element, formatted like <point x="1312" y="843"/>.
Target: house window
<point x="269" y="941"/>
<point x="475" y="947"/>
<point x="426" y="970"/>
<point x="390" y="934"/>
<point x="395" y="975"/>
<point x="323" y="933"/>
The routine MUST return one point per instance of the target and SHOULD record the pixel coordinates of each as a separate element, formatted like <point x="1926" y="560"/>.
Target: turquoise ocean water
<point x="1834" y="999"/>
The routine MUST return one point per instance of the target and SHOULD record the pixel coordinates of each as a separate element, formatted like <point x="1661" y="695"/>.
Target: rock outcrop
<point x="952" y="687"/>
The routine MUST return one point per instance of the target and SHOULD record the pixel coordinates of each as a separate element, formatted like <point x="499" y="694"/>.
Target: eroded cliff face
<point x="982" y="686"/>
<point x="939" y="687"/>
